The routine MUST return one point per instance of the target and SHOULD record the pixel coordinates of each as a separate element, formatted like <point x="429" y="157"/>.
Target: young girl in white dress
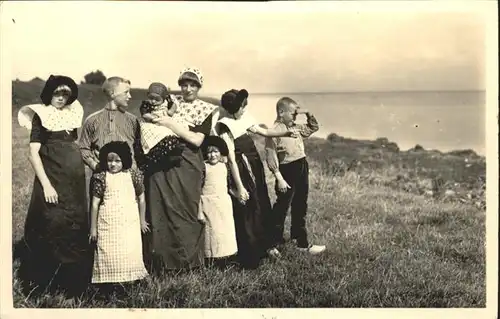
<point x="117" y="217"/>
<point x="216" y="208"/>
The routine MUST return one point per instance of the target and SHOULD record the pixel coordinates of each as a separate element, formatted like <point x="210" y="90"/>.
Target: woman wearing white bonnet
<point x="177" y="236"/>
<point x="192" y="108"/>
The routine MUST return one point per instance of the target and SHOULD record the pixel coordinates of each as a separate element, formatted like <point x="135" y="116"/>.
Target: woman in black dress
<point x="252" y="206"/>
<point x="56" y="231"/>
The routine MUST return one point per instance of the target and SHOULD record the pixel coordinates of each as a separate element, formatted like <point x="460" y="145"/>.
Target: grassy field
<point x="402" y="229"/>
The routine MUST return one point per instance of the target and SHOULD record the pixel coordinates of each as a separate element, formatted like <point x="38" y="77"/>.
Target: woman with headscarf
<point x="57" y="226"/>
<point x="173" y="191"/>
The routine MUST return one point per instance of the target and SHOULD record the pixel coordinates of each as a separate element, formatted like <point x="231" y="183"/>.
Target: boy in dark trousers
<point x="287" y="161"/>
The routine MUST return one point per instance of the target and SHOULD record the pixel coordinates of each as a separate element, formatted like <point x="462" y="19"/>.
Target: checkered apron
<point x="118" y="256"/>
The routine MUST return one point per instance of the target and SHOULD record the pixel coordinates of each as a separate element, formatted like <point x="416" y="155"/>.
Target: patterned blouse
<point x="39" y="134"/>
<point x="53" y="119"/>
<point x="194" y="112"/>
<point x="98" y="183"/>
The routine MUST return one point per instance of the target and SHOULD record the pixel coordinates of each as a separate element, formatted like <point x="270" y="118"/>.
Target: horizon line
<point x="317" y="92"/>
<point x="359" y="91"/>
<point x="374" y="91"/>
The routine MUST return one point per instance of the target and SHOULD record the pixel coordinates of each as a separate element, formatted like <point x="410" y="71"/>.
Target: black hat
<point x="213" y="140"/>
<point x="119" y="147"/>
<point x="232" y="100"/>
<point x="53" y="82"/>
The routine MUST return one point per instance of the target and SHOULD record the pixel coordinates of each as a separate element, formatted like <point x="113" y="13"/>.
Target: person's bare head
<point x="286" y="110"/>
<point x="117" y="89"/>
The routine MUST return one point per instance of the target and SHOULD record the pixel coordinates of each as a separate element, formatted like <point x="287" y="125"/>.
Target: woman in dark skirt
<point x="56" y="231"/>
<point x="252" y="206"/>
<point x="173" y="191"/>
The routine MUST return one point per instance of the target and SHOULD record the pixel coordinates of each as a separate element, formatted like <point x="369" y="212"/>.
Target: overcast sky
<point x="262" y="47"/>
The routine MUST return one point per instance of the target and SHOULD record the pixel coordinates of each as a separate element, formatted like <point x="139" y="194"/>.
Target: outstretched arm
<point x="278" y="131"/>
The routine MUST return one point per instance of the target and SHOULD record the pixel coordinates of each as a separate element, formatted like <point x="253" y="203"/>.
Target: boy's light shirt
<point x="284" y="150"/>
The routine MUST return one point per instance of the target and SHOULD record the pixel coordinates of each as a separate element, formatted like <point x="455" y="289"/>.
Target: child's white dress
<point x="118" y="256"/>
<point x="217" y="209"/>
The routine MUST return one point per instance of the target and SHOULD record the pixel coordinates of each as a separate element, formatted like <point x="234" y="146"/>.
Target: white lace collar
<point x="238" y="127"/>
<point x="53" y="119"/>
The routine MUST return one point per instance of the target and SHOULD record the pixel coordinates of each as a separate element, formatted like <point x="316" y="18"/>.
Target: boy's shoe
<point x="274" y="252"/>
<point x="313" y="249"/>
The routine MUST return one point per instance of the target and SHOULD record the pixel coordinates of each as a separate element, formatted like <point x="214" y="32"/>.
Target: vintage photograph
<point x="247" y="155"/>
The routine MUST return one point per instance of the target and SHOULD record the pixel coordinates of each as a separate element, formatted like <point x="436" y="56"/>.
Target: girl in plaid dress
<point x="117" y="217"/>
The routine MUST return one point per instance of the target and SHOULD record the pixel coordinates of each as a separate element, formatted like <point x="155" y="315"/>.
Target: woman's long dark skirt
<point x="58" y="255"/>
<point x="176" y="240"/>
<point x="252" y="217"/>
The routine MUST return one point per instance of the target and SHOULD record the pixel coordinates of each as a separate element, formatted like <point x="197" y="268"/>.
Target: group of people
<point x="180" y="187"/>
